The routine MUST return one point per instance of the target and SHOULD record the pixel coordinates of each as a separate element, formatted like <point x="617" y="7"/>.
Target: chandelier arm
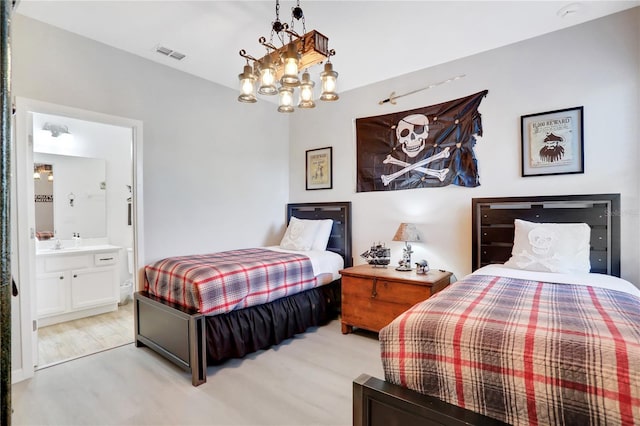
<point x="268" y="45"/>
<point x="291" y="32"/>
<point x="245" y="55"/>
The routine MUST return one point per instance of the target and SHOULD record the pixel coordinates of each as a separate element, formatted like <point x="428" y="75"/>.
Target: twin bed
<point x="202" y="310"/>
<point x="538" y="340"/>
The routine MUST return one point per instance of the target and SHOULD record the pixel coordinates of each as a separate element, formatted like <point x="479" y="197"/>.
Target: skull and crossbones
<point x="541" y="241"/>
<point x="412" y="132"/>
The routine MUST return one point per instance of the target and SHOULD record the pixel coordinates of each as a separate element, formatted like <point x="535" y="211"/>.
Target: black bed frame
<point x="179" y="334"/>
<point x="377" y="402"/>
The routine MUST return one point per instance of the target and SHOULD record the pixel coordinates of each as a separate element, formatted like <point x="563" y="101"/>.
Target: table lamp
<point x="407" y="232"/>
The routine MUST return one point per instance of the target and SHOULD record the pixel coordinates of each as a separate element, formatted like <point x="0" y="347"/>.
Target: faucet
<point x="58" y="244"/>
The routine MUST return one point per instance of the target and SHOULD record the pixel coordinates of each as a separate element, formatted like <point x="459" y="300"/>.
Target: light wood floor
<point x="306" y="380"/>
<point x="73" y="339"/>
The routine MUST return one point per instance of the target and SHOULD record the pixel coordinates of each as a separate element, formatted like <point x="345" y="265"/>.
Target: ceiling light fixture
<point x="277" y="71"/>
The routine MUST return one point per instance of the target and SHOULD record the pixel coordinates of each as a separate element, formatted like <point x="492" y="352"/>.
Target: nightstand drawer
<point x="385" y="291"/>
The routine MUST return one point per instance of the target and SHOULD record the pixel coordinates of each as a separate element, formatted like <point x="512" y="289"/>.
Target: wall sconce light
<point x="56" y="129"/>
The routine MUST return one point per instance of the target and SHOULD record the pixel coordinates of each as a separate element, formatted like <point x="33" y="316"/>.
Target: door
<point x="26" y="342"/>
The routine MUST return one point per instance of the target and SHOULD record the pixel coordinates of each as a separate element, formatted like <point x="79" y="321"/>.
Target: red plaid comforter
<point x="221" y="282"/>
<point x="523" y="352"/>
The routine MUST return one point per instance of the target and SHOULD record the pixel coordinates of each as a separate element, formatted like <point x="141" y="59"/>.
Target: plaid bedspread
<point x="221" y="282"/>
<point x="523" y="352"/>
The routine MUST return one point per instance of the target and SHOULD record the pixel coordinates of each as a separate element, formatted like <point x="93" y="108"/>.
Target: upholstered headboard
<point x="340" y="212"/>
<point x="493" y="227"/>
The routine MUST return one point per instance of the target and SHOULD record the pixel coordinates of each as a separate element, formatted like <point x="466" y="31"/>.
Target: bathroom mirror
<point x="70" y="196"/>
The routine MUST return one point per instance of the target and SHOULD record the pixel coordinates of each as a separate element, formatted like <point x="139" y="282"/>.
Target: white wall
<point x="215" y="171"/>
<point x="594" y="65"/>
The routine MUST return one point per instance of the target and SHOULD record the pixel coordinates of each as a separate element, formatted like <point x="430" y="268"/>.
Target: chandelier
<point x="276" y="73"/>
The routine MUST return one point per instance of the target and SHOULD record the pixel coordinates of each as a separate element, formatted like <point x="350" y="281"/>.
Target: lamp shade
<point x="408" y="232"/>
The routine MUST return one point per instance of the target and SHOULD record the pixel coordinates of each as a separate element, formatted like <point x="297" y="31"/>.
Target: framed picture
<point x="552" y="142"/>
<point x="319" y="168"/>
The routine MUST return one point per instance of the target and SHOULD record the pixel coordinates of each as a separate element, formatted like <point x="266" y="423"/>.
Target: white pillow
<point x="551" y="247"/>
<point x="300" y="234"/>
<point x="322" y="234"/>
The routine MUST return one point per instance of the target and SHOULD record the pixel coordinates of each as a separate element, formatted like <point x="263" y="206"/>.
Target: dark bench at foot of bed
<point x="172" y="331"/>
<point x="379" y="403"/>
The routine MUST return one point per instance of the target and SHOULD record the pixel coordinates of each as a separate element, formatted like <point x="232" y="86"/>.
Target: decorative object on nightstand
<point x="377" y="255"/>
<point x="407" y="232"/>
<point x="422" y="267"/>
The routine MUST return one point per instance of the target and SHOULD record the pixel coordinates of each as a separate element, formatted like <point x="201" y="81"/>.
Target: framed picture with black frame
<point x="319" y="168"/>
<point x="553" y="142"/>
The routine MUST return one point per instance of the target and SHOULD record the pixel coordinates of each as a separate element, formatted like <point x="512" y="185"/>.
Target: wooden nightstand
<point x="373" y="297"/>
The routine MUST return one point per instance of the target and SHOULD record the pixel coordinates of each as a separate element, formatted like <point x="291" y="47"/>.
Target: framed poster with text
<point x="552" y="142"/>
<point x="319" y="168"/>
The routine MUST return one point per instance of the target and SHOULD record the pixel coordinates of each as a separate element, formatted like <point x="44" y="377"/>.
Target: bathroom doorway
<point x="77" y="256"/>
<point x="82" y="189"/>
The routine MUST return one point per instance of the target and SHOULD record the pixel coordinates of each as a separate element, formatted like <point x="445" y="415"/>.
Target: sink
<point x="60" y="250"/>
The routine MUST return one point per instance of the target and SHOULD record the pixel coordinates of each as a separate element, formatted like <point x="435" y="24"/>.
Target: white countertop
<point x="77" y="250"/>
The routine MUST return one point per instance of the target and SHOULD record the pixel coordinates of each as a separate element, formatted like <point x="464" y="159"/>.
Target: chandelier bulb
<point x="267" y="77"/>
<point x="291" y="61"/>
<point x="286" y="99"/>
<point x="306" y="92"/>
<point x="247" y="85"/>
<point x="329" y="81"/>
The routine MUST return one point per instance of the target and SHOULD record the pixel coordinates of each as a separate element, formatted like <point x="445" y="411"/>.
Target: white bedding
<point x="593" y="280"/>
<point x="323" y="262"/>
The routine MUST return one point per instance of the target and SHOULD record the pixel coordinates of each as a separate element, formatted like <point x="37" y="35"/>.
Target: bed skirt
<point x="238" y="333"/>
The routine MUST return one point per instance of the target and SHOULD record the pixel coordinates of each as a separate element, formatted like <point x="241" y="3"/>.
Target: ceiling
<point x="374" y="40"/>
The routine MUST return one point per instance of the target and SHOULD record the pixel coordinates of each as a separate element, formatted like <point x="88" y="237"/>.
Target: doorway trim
<point x="25" y="214"/>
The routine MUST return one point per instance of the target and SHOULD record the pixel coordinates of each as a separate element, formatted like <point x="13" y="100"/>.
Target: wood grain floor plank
<point x="305" y="380"/>
<point x="84" y="336"/>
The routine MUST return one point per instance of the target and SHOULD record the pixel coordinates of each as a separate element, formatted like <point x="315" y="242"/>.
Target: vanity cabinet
<point x="52" y="289"/>
<point x="76" y="285"/>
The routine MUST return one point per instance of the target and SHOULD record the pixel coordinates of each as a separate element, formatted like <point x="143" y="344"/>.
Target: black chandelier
<point x="277" y="71"/>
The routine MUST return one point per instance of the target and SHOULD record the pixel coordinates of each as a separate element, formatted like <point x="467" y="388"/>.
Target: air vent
<point x="170" y="53"/>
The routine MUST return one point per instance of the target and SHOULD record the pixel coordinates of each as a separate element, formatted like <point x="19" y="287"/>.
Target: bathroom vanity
<point x="76" y="282"/>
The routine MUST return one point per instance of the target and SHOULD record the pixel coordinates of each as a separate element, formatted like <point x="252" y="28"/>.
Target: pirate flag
<point x="424" y="147"/>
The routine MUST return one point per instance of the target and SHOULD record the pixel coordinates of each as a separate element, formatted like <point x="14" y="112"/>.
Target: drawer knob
<point x="75" y="275"/>
<point x="374" y="293"/>
<point x="61" y="277"/>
